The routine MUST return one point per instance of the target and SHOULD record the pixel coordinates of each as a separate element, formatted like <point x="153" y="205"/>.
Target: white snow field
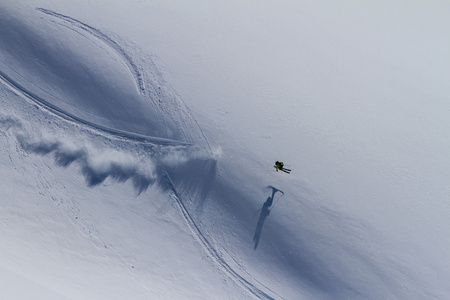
<point x="137" y="143"/>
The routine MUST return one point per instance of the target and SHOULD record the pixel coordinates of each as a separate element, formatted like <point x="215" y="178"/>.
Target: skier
<point x="279" y="165"/>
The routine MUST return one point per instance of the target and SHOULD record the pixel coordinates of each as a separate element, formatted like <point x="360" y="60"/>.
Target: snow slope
<point x="138" y="141"/>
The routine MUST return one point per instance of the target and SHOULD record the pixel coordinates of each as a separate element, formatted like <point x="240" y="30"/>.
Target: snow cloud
<point x="96" y="166"/>
<point x="101" y="161"/>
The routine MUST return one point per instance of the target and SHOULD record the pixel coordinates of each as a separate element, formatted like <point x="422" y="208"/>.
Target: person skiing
<point x="279" y="165"/>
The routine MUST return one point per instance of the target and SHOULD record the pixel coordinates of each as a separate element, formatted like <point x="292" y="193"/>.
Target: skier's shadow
<point x="265" y="211"/>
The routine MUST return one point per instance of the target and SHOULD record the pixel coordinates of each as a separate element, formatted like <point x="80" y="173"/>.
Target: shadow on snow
<point x="265" y="211"/>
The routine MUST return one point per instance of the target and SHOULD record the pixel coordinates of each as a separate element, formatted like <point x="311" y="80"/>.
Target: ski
<point x="284" y="170"/>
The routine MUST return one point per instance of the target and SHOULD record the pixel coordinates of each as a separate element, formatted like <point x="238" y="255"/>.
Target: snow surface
<point x="138" y="138"/>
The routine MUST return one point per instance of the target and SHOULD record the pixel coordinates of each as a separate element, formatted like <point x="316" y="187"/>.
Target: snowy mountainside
<point x="137" y="144"/>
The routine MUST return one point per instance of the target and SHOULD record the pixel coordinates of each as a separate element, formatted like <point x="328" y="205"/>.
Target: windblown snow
<point x="138" y="140"/>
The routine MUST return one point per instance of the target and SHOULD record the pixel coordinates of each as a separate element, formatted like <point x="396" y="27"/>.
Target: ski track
<point x="132" y="67"/>
<point x="209" y="248"/>
<point x="21" y="91"/>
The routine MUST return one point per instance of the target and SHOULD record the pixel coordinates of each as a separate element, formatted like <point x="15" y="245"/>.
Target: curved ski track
<point x="209" y="248"/>
<point x="21" y="91"/>
<point x="197" y="233"/>
<point x="134" y="70"/>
